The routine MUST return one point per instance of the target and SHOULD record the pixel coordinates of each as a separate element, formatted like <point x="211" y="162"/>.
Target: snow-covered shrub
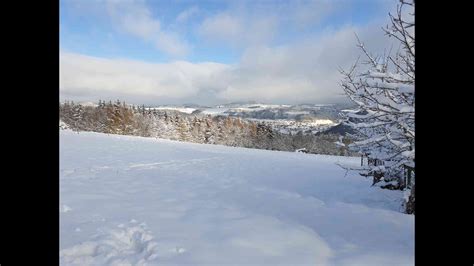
<point x="62" y="125"/>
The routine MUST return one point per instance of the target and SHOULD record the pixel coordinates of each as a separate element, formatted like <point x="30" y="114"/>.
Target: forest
<point x="123" y="119"/>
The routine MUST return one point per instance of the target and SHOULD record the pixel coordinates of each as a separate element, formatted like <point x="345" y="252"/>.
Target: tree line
<point x="119" y="118"/>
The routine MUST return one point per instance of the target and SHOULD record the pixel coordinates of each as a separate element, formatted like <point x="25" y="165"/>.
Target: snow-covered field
<point x="290" y="126"/>
<point x="179" y="109"/>
<point x="141" y="201"/>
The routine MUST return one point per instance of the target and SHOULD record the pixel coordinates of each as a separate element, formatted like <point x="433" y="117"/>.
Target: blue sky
<point x="212" y="51"/>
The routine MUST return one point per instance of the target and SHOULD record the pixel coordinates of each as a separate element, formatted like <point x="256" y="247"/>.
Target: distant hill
<point x="339" y="129"/>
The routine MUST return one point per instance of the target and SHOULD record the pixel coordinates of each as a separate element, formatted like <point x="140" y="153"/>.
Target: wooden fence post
<point x="409" y="177"/>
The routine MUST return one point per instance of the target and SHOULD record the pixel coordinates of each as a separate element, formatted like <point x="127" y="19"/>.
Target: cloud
<point x="255" y="23"/>
<point x="135" y="18"/>
<point x="238" y="28"/>
<point x="187" y="14"/>
<point x="303" y="71"/>
<point x="305" y="14"/>
<point x="82" y="76"/>
<point x="222" y="26"/>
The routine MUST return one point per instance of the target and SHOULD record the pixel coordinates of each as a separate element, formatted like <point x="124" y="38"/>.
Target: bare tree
<point x="384" y="92"/>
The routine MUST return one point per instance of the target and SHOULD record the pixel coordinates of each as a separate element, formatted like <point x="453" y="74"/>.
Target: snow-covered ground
<point x="215" y="111"/>
<point x="63" y="125"/>
<point x="291" y="126"/>
<point x="179" y="109"/>
<point x="142" y="201"/>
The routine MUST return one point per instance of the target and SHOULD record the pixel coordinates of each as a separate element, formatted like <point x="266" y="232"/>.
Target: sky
<point x="213" y="52"/>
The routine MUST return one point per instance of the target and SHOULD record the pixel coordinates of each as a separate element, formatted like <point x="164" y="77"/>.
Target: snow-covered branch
<point x="385" y="96"/>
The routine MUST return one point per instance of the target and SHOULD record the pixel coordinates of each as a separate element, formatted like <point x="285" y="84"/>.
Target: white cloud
<point x="257" y="23"/>
<point x="305" y="71"/>
<point x="82" y="75"/>
<point x="222" y="27"/>
<point x="239" y="29"/>
<point x="172" y="44"/>
<point x="134" y="17"/>
<point x="187" y="14"/>
<point x="308" y="13"/>
<point x="302" y="69"/>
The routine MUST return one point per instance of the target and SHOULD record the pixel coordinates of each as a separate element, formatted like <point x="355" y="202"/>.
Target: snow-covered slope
<point x="142" y="201"/>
